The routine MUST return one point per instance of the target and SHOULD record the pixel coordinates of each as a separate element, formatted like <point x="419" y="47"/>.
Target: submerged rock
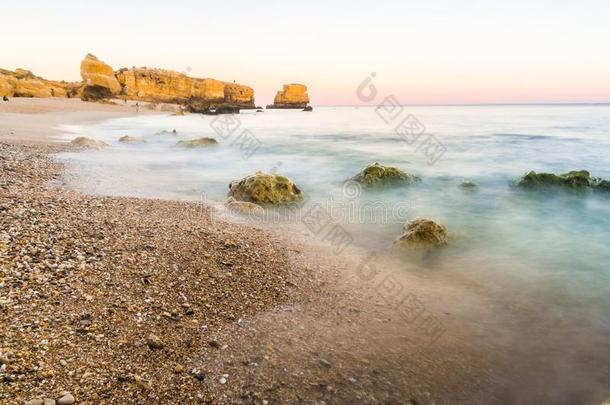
<point x="166" y="132"/>
<point x="130" y="139"/>
<point x="88" y="142"/>
<point x="244" y="207"/>
<point x="198" y="143"/>
<point x="265" y="189"/>
<point x="467" y="184"/>
<point x="377" y="174"/>
<point x="574" y="179"/>
<point x="422" y="233"/>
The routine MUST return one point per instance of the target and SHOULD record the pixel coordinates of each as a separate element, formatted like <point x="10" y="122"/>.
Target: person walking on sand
<point x="137" y="107"/>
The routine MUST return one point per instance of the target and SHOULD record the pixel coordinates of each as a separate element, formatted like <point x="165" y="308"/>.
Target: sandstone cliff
<point x="100" y="81"/>
<point x="292" y="96"/>
<point x="161" y="85"/>
<point x="96" y="73"/>
<point x="23" y="83"/>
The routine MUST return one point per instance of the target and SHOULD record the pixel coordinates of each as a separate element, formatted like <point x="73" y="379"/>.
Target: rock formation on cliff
<point x="292" y="96"/>
<point x="23" y="83"/>
<point x="96" y="73"/>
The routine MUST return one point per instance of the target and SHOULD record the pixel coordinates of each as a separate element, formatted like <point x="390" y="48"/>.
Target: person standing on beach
<point x="137" y="107"/>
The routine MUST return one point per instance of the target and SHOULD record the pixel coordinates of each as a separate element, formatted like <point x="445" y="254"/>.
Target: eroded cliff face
<point x="292" y="96"/>
<point x="162" y="85"/>
<point x="23" y="83"/>
<point x="100" y="81"/>
<point x="239" y="94"/>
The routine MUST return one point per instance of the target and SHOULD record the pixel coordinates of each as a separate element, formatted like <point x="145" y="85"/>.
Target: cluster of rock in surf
<point x="252" y="193"/>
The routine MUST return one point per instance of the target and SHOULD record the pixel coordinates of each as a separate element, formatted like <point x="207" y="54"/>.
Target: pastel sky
<point x="423" y="52"/>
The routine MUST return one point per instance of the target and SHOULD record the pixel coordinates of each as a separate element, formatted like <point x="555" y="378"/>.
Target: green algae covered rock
<point x="197" y="143"/>
<point x="377" y="174"/>
<point x="422" y="233"/>
<point x="575" y="179"/>
<point x="265" y="189"/>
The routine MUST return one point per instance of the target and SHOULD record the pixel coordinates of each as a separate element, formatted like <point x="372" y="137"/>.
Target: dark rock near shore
<point x="308" y="108"/>
<point x="96" y="93"/>
<point x="207" y="107"/>
<point x="377" y="174"/>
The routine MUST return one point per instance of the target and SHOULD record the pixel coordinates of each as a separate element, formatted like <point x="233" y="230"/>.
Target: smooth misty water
<point x="556" y="232"/>
<point x="540" y="247"/>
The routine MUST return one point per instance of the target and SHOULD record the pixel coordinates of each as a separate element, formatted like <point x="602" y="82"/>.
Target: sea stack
<point x="292" y="96"/>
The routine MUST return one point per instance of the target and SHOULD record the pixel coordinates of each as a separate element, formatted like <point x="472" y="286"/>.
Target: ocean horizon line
<point x="470" y="104"/>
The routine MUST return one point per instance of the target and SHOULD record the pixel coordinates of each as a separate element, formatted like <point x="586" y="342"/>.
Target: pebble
<point x="63" y="363"/>
<point x="67" y="399"/>
<point x="49" y="401"/>
<point x="36" y="401"/>
<point x="154" y="342"/>
<point x="222" y="380"/>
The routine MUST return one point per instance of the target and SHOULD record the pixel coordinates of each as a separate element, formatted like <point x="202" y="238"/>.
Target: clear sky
<point x="427" y="51"/>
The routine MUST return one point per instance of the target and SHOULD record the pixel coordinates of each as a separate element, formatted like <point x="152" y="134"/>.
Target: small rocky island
<point x="292" y="96"/>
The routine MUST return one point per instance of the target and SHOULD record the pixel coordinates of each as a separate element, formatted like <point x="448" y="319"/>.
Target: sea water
<point x="545" y="249"/>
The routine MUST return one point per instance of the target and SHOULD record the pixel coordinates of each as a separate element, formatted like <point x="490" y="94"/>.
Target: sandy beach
<point x="127" y="301"/>
<point x="122" y="300"/>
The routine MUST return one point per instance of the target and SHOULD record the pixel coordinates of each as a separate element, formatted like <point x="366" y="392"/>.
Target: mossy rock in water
<point x="85" y="142"/>
<point x="377" y="174"/>
<point x="265" y="189"/>
<point x="422" y="233"/>
<point x="575" y="179"/>
<point x="198" y="143"/>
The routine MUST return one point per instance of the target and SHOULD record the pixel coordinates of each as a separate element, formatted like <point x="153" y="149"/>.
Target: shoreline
<point x="47" y="357"/>
<point x="276" y="315"/>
